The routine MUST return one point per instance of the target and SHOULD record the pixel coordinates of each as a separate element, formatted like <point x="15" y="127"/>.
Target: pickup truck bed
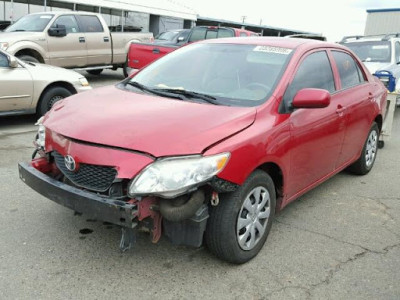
<point x="140" y="55"/>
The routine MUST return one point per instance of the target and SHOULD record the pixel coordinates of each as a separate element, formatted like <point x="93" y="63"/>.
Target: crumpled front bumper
<point x="93" y="205"/>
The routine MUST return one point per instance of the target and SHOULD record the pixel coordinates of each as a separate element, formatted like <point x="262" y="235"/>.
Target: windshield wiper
<point x="19" y="30"/>
<point x="153" y="91"/>
<point x="191" y="94"/>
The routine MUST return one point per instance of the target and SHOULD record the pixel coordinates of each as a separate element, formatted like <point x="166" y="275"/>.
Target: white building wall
<point x="382" y="23"/>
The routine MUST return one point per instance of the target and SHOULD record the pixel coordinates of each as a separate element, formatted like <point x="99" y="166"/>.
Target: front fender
<point x="29" y="45"/>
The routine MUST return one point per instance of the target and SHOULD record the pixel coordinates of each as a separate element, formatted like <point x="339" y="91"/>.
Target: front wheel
<point x="367" y="158"/>
<point x="28" y="58"/>
<point x="239" y="226"/>
<point x="51" y="96"/>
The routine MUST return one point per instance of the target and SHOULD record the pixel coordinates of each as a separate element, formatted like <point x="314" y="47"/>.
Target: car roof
<point x="64" y="13"/>
<point x="275" y="42"/>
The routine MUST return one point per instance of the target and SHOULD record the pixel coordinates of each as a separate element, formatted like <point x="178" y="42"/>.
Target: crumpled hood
<point x="155" y="125"/>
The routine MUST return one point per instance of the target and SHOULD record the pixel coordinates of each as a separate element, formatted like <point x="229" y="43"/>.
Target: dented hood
<point x="155" y="125"/>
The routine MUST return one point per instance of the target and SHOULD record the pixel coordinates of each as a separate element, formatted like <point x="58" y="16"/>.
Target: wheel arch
<point x="379" y="121"/>
<point x="30" y="52"/>
<point x="275" y="171"/>
<point x="63" y="84"/>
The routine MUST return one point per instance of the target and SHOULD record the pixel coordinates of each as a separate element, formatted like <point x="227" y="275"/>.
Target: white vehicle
<point x="378" y="53"/>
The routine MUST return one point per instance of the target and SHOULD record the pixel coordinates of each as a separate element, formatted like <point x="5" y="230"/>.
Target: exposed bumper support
<point x="95" y="206"/>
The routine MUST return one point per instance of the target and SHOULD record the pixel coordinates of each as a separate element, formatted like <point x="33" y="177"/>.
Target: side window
<point x="91" y="24"/>
<point x="314" y="72"/>
<point x="349" y="72"/>
<point x="211" y="34"/>
<point x="397" y="52"/>
<point x="69" y="22"/>
<point x="223" y="32"/>
<point x="3" y="61"/>
<point x="198" y="34"/>
<point x="243" y="34"/>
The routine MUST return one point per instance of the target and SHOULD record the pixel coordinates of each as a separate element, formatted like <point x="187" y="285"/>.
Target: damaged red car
<point x="210" y="141"/>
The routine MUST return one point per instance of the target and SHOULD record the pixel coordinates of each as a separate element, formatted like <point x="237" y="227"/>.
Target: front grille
<point x="91" y="177"/>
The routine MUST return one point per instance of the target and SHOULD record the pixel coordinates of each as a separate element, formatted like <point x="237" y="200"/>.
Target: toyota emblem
<point x="69" y="162"/>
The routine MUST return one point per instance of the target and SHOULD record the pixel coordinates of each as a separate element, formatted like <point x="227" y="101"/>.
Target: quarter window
<point x="314" y="72"/>
<point x="3" y="61"/>
<point x="71" y="26"/>
<point x="349" y="71"/>
<point x="91" y="24"/>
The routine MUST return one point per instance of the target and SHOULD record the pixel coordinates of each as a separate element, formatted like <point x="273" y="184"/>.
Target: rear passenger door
<point x="355" y="94"/>
<point x="97" y="40"/>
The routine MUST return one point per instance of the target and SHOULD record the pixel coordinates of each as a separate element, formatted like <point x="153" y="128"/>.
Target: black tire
<point x="51" y="96"/>
<point x="29" y="58"/>
<point x="367" y="158"/>
<point x="126" y="69"/>
<point x="222" y="236"/>
<point x="95" y="72"/>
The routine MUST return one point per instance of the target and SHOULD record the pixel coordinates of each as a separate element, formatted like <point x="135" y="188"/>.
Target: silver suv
<point x="378" y="52"/>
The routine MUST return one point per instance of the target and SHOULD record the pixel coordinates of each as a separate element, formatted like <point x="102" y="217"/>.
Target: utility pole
<point x="243" y="19"/>
<point x="45" y="5"/>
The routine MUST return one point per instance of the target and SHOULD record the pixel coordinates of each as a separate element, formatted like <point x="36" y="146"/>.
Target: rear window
<point x="91" y="24"/>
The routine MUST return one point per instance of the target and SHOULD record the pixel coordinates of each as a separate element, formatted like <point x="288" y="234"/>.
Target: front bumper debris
<point x="97" y="207"/>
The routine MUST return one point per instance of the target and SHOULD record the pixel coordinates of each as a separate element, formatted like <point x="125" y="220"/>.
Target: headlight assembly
<point x="83" y="81"/>
<point x="41" y="135"/>
<point x="173" y="176"/>
<point x="3" y="46"/>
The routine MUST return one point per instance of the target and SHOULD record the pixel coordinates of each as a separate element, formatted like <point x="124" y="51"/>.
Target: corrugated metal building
<point x="148" y="15"/>
<point x="382" y="21"/>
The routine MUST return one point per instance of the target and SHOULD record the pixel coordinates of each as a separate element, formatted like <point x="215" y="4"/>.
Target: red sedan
<point x="211" y="140"/>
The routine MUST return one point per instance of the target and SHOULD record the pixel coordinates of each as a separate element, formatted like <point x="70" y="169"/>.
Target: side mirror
<point x="58" y="31"/>
<point x="12" y="62"/>
<point x="311" y="98"/>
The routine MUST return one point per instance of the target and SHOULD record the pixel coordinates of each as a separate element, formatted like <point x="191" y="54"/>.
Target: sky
<point x="333" y="18"/>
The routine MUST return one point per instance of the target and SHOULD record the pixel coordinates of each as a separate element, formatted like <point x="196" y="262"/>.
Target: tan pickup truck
<point x="69" y="40"/>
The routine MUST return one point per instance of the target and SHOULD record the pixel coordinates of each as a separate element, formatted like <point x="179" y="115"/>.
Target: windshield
<point x="230" y="74"/>
<point x="35" y="23"/>
<point x="373" y="51"/>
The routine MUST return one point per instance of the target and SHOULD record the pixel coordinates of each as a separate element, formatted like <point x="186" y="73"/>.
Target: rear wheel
<point x="239" y="226"/>
<point x="366" y="161"/>
<point x="95" y="72"/>
<point x="50" y="97"/>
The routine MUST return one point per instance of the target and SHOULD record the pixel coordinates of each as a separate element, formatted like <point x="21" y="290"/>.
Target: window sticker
<point x="271" y="49"/>
<point x="380" y="47"/>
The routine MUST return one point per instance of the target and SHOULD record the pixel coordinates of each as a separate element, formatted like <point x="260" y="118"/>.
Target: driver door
<point x="16" y="86"/>
<point x="69" y="50"/>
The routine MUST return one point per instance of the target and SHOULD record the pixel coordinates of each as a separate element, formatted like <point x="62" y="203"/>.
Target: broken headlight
<point x="173" y="176"/>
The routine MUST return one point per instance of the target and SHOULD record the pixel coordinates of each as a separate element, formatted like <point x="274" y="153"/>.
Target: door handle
<point x="106" y="39"/>
<point x="156" y="51"/>
<point x="340" y="110"/>
<point x="81" y="40"/>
